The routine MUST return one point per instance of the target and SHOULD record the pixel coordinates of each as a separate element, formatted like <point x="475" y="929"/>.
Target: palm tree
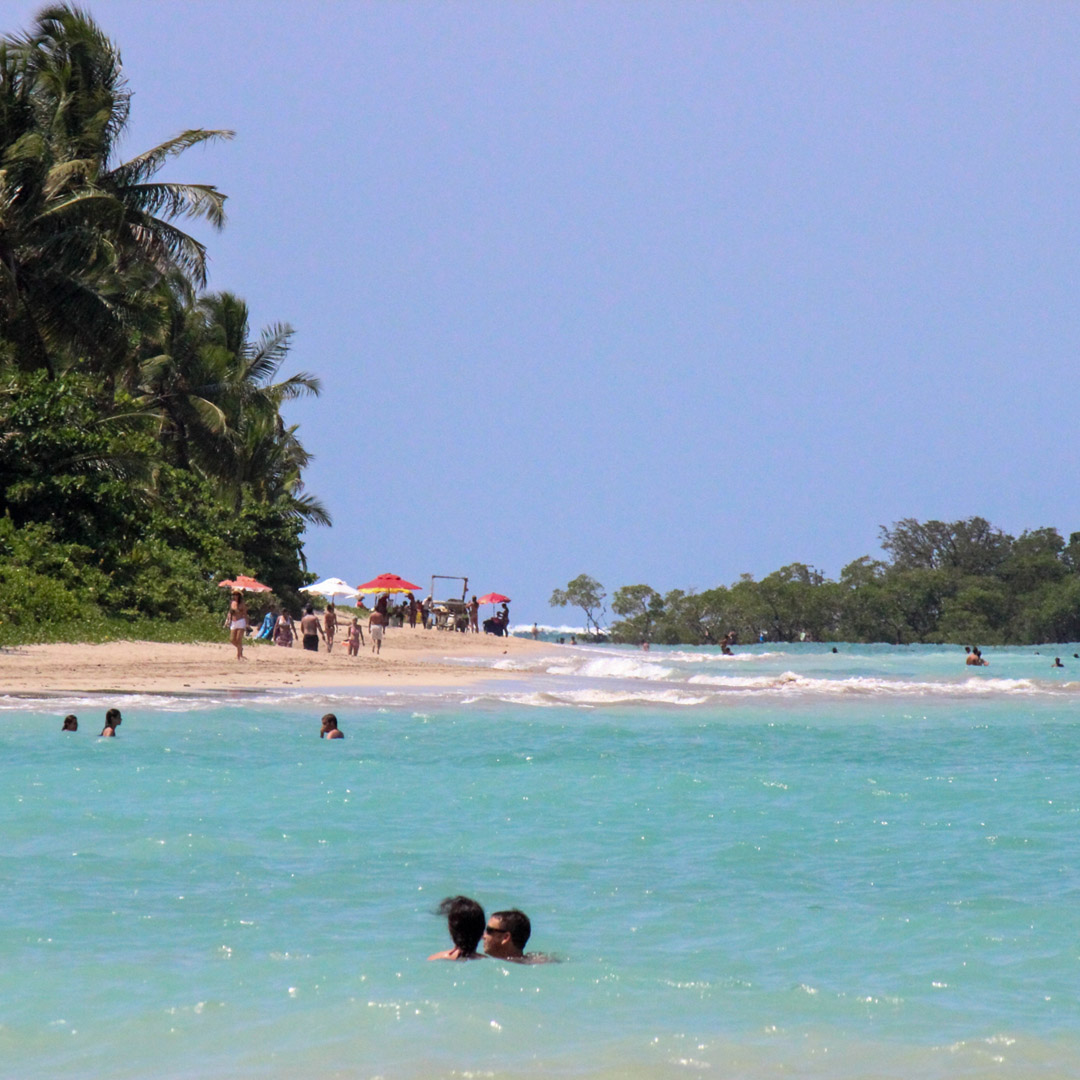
<point x="74" y="224"/>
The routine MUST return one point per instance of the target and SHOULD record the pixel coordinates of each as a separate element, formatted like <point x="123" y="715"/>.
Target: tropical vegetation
<point x="960" y="582"/>
<point x="143" y="451"/>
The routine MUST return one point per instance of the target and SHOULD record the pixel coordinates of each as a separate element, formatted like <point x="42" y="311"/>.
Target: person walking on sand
<point x="376" y="629"/>
<point x="311" y="629"/>
<point x="330" y="626"/>
<point x="112" y="722"/>
<point x="354" y="638"/>
<point x="465" y="921"/>
<point x="283" y="630"/>
<point x="237" y="622"/>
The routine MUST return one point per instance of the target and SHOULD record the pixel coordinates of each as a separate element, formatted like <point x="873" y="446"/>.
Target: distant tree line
<point x="143" y="454"/>
<point x="944" y="582"/>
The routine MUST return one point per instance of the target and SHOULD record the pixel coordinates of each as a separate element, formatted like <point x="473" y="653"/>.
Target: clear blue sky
<point x="657" y="292"/>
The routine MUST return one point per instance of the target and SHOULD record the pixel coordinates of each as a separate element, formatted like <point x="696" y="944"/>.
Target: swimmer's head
<point x="71" y="723"/>
<point x="329" y="723"/>
<point x="465" y="920"/>
<point x="112" y="718"/>
<point x="516" y="924"/>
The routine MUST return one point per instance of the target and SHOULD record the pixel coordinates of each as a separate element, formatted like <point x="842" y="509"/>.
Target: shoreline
<point x="410" y="659"/>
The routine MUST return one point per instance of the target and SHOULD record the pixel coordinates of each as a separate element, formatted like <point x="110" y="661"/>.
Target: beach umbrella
<point x="331" y="588"/>
<point x="243" y="583"/>
<point x="387" y="583"/>
<point x="493" y="598"/>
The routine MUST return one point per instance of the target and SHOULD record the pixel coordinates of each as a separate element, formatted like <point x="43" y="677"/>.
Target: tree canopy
<point x="959" y="581"/>
<point x="142" y="444"/>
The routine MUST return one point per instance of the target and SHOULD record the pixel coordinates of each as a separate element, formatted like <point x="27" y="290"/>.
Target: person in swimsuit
<point x="311" y="629"/>
<point x="283" y="631"/>
<point x="330" y="728"/>
<point x="355" y="638"/>
<point x="330" y="626"/>
<point x="71" y="723"/>
<point x="465" y="920"/>
<point x="112" y="722"/>
<point x="474" y="615"/>
<point x="237" y="622"/>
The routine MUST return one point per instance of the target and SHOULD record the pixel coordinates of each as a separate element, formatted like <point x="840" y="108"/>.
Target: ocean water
<point x="790" y="863"/>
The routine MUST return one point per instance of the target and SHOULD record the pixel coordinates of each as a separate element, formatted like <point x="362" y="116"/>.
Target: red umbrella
<point x="387" y="583"/>
<point x="244" y="584"/>
<point x="493" y="598"/>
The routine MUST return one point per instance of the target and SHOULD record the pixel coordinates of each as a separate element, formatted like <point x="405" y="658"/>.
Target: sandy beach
<point x="408" y="658"/>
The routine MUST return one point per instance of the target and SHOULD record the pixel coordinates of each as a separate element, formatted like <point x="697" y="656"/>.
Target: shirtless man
<point x="112" y="722"/>
<point x="310" y="629"/>
<point x="465" y="920"/>
<point x="506" y="935"/>
<point x="330" y="729"/>
<point x="329" y="626"/>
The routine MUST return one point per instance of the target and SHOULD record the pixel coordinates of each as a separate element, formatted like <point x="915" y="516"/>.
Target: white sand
<point x="409" y="658"/>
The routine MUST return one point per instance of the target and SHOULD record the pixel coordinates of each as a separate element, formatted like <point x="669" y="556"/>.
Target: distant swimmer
<point x="535" y="631"/>
<point x="112" y="722"/>
<point x="506" y="936"/>
<point x="978" y="661"/>
<point x="725" y="649"/>
<point x="835" y="649"/>
<point x="329" y="728"/>
<point x="1057" y="662"/>
<point x="465" y="920"/>
<point x="71" y="723"/>
<point x="645" y="646"/>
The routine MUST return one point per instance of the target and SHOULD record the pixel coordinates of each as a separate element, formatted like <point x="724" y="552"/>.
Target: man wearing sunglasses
<point x="506" y="935"/>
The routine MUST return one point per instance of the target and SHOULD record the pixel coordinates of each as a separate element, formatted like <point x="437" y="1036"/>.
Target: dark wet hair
<point x="111" y="717"/>
<point x="309" y="610"/>
<point x="329" y="723"/>
<point x="71" y="723"/>
<point x="518" y="925"/>
<point x="465" y="919"/>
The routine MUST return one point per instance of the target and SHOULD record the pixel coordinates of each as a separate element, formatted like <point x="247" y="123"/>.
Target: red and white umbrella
<point x="387" y="583"/>
<point x="243" y="583"/>
<point x="493" y="598"/>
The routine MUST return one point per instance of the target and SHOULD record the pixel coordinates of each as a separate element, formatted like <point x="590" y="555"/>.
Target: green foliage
<point x="586" y="593"/>
<point x="962" y="581"/>
<point x="143" y="455"/>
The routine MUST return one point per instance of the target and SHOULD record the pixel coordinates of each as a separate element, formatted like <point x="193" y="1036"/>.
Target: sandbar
<point x="409" y="658"/>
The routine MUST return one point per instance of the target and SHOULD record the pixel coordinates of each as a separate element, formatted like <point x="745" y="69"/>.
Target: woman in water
<point x="112" y="722"/>
<point x="238" y="621"/>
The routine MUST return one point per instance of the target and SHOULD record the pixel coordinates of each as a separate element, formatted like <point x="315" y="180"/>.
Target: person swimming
<point x="71" y="723"/>
<point x="465" y="921"/>
<point x="112" y="722"/>
<point x="330" y="728"/>
<point x="506" y="935"/>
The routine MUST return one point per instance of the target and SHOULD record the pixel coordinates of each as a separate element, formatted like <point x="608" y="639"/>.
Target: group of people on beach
<point x="505" y="934"/>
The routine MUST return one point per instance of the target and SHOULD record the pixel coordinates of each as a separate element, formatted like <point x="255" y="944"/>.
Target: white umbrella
<point x="332" y="588"/>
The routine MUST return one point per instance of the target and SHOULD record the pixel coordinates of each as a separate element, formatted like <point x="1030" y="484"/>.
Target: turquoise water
<point x="794" y="863"/>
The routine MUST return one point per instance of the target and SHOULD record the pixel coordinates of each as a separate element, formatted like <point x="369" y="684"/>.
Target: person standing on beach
<point x="283" y="630"/>
<point x="71" y="723"/>
<point x="237" y="622"/>
<point x="376" y="629"/>
<point x="465" y="920"/>
<point x="355" y="638"/>
<point x="330" y="626"/>
<point x="414" y="607"/>
<point x="311" y="629"/>
<point x="474" y="615"/>
<point x="112" y="722"/>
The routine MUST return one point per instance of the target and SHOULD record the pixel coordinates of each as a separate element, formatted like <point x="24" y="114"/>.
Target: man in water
<point x="330" y="729"/>
<point x="465" y="920"/>
<point x="505" y="937"/>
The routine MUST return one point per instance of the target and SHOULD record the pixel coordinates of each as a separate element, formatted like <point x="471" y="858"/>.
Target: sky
<point x="658" y="292"/>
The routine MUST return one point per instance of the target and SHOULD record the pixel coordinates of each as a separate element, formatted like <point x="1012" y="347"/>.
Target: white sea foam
<point x="594" y="698"/>
<point x="791" y="681"/>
